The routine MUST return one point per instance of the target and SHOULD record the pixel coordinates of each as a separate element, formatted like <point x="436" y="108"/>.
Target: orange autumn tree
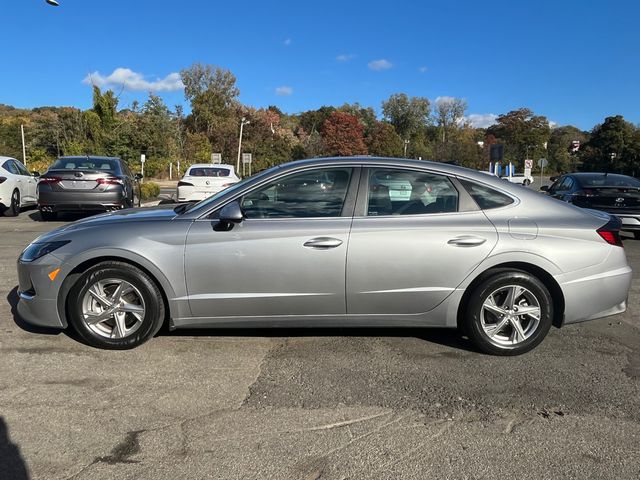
<point x="343" y="135"/>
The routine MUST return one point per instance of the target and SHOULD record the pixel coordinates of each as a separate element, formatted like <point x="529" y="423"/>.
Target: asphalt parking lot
<point x="319" y="404"/>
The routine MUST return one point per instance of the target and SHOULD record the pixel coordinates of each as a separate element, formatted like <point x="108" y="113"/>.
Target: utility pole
<point x="24" y="150"/>
<point x="243" y="122"/>
<point x="406" y="144"/>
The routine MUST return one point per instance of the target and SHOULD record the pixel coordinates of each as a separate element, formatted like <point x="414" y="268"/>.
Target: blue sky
<point x="574" y="61"/>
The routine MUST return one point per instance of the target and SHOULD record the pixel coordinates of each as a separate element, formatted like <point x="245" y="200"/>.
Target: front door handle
<point x="323" y="243"/>
<point x="467" y="241"/>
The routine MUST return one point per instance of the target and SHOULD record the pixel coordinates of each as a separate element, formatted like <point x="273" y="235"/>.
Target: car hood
<point x="145" y="214"/>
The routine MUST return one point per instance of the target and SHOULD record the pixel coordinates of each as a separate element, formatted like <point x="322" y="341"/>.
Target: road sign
<point x="216" y="158"/>
<point x="246" y="158"/>
<point x="496" y="152"/>
<point x="143" y="158"/>
<point x="528" y="164"/>
<point x="543" y="162"/>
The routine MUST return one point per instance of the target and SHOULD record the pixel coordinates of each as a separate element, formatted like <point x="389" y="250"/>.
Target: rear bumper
<point x="597" y="295"/>
<point x="80" y="201"/>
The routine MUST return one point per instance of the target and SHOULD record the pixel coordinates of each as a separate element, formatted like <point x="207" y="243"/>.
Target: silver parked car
<point x="334" y="242"/>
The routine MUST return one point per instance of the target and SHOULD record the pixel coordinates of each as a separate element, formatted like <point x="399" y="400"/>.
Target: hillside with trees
<point x="413" y="127"/>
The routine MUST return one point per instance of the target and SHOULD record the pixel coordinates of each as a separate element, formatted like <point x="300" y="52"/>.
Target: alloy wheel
<point x="113" y="308"/>
<point x="510" y="315"/>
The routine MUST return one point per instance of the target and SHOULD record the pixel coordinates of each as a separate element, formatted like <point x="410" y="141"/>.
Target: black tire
<point x="499" y="282"/>
<point x="48" y="216"/>
<point x="14" y="207"/>
<point x="636" y="235"/>
<point x="526" y="183"/>
<point x="154" y="310"/>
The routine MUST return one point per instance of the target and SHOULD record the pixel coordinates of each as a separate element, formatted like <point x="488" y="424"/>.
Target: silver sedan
<point x="334" y="242"/>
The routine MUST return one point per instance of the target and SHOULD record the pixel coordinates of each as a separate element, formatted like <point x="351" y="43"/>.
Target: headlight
<point x="37" y="250"/>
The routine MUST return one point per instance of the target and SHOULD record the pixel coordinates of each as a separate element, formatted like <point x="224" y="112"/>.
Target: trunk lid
<point x="611" y="199"/>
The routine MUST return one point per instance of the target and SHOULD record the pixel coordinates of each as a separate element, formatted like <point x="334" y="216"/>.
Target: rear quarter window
<point x="486" y="197"/>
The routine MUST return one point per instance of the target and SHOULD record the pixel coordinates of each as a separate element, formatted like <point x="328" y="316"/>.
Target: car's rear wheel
<point x="509" y="313"/>
<point x="48" y="216"/>
<point x="14" y="207"/>
<point x="526" y="183"/>
<point x="115" y="305"/>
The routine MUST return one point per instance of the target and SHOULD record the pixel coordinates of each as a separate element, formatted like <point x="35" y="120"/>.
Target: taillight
<point x="184" y="184"/>
<point x="610" y="233"/>
<point x="2" y="179"/>
<point x="109" y="181"/>
<point x="49" y="180"/>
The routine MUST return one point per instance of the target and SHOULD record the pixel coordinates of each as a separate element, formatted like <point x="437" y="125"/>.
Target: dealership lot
<point x="316" y="404"/>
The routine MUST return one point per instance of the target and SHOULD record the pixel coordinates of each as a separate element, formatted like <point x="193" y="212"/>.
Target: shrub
<point x="149" y="190"/>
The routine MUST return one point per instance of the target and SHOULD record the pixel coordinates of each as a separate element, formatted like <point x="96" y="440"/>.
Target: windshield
<point x="229" y="190"/>
<point x="84" y="164"/>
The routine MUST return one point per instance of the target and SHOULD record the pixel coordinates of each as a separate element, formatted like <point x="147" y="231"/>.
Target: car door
<point x="286" y="258"/>
<point x="407" y="255"/>
<point x="28" y="183"/>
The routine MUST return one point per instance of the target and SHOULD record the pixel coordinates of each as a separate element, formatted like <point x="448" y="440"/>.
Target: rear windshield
<point x="209" y="172"/>
<point x="85" y="164"/>
<point x="608" y="181"/>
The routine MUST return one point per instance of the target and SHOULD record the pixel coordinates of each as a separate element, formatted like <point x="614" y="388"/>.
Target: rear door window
<point x="409" y="192"/>
<point x="486" y="197"/>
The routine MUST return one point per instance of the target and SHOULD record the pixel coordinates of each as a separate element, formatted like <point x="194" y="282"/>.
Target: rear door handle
<point x="467" y="241"/>
<point x="323" y="243"/>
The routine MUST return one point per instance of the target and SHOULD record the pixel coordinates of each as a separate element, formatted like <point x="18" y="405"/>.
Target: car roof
<point x="211" y="165"/>
<point x="2" y="159"/>
<point x="88" y="157"/>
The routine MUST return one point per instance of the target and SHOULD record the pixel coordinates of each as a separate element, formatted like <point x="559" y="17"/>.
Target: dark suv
<point x="74" y="184"/>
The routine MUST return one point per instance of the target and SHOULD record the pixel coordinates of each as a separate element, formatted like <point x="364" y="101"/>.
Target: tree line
<point x="413" y="127"/>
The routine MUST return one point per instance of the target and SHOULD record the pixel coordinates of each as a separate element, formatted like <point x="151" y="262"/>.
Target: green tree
<point x="383" y="141"/>
<point x="522" y="133"/>
<point x="406" y="114"/>
<point x="614" y="146"/>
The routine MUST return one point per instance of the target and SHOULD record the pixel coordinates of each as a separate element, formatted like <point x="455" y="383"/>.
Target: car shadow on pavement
<point x="62" y="217"/>
<point x="12" y="465"/>
<point x="12" y="300"/>
<point x="448" y="337"/>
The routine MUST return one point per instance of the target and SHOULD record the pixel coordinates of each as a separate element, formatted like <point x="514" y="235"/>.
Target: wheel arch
<point x="541" y="274"/>
<point x="83" y="266"/>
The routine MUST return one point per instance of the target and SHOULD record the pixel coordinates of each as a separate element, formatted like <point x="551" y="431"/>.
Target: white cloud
<point x="345" y="57"/>
<point x="284" y="91"/>
<point x="443" y="99"/>
<point x="130" y="80"/>
<point x="382" y="64"/>
<point x="481" y="120"/>
<point x="287" y="42"/>
<point x="552" y="124"/>
<point x="423" y="69"/>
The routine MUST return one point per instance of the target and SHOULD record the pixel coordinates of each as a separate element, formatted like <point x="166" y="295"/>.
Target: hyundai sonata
<point x="334" y="242"/>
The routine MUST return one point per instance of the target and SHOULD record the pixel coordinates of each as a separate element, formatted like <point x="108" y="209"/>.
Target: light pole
<point x="406" y="144"/>
<point x="24" y="150"/>
<point x="243" y="122"/>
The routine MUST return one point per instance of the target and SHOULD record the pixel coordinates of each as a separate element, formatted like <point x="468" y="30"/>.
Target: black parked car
<point x="88" y="183"/>
<point x="609" y="192"/>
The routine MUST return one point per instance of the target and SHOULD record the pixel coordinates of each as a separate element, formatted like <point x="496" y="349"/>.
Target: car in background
<point x="17" y="186"/>
<point x="325" y="242"/>
<point x="519" y="178"/>
<point x="616" y="194"/>
<point x="86" y="184"/>
<point x="202" y="180"/>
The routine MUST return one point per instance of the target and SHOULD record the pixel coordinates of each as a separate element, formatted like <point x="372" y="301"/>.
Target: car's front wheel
<point x="115" y="305"/>
<point x="509" y="313"/>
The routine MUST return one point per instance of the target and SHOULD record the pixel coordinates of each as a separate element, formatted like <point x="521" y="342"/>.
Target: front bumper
<point x="38" y="294"/>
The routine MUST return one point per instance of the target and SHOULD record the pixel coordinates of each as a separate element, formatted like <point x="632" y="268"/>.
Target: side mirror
<point x="35" y="174"/>
<point x="544" y="188"/>
<point x="231" y="213"/>
<point x="137" y="177"/>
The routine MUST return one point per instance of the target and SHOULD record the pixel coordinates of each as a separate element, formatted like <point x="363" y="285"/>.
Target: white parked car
<point x="204" y="179"/>
<point x="519" y="178"/>
<point x="17" y="186"/>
